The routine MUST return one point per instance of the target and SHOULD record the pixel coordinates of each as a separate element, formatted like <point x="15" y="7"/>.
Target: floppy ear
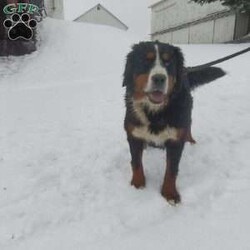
<point x="128" y="72"/>
<point x="179" y="68"/>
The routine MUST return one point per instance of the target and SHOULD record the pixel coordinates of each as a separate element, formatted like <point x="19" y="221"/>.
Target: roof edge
<point x="213" y="16"/>
<point x="157" y="3"/>
<point x="106" y="11"/>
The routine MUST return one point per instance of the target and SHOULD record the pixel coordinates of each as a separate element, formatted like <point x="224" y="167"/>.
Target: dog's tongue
<point x="156" y="97"/>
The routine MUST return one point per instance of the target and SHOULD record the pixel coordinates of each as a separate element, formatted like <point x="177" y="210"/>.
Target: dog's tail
<point x="203" y="76"/>
<point x="204" y="73"/>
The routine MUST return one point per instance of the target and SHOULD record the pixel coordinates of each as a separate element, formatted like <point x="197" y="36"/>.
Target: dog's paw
<point x="172" y="196"/>
<point x="20" y="26"/>
<point x="138" y="181"/>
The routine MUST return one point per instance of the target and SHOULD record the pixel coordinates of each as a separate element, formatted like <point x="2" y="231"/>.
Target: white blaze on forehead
<point x="157" y="69"/>
<point x="157" y="60"/>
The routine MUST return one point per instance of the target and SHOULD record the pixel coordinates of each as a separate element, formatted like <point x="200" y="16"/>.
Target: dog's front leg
<point x="169" y="191"/>
<point x="136" y="150"/>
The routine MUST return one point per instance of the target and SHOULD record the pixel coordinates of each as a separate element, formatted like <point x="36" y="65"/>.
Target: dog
<point x="159" y="107"/>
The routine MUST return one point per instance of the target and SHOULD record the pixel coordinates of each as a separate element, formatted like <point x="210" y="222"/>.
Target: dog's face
<point x="152" y="72"/>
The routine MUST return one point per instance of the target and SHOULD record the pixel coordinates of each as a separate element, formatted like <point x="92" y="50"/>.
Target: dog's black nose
<point x="158" y="80"/>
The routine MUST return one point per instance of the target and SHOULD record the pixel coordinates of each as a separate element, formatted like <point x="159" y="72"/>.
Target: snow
<point x="64" y="161"/>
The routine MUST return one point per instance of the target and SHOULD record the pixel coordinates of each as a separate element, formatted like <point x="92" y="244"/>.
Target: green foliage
<point x="238" y="5"/>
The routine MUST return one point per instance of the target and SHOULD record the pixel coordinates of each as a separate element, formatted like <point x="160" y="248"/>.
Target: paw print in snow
<point x="20" y="26"/>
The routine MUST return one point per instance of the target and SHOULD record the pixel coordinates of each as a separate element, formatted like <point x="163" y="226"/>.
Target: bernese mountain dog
<point x="159" y="106"/>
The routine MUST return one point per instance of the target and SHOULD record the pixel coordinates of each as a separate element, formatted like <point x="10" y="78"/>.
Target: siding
<point x="242" y="25"/>
<point x="181" y="36"/>
<point x="49" y="5"/>
<point x="172" y="13"/>
<point x="179" y="21"/>
<point x="58" y="11"/>
<point x="54" y="8"/>
<point x="202" y="33"/>
<point x="224" y="29"/>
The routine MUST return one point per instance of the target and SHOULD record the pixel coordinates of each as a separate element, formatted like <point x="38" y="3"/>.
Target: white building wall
<point x="214" y="31"/>
<point x="59" y="9"/>
<point x="172" y="13"/>
<point x="167" y="38"/>
<point x="99" y="15"/>
<point x="54" y="8"/>
<point x="201" y="33"/>
<point x="181" y="21"/>
<point x="180" y="36"/>
<point x="224" y="29"/>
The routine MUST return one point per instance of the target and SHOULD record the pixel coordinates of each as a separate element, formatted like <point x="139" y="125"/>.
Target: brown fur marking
<point x="129" y="128"/>
<point x="150" y="56"/>
<point x="140" y="85"/>
<point x="185" y="135"/>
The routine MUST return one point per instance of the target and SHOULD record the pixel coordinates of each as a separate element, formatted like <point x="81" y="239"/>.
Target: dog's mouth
<point x="156" y="97"/>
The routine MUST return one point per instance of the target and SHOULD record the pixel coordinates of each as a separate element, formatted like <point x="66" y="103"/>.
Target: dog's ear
<point x="128" y="72"/>
<point x="179" y="68"/>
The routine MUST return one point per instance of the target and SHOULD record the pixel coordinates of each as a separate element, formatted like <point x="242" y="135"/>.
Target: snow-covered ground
<point x="64" y="159"/>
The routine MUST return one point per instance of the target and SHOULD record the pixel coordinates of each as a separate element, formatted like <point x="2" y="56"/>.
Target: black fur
<point x="136" y="148"/>
<point x="174" y="152"/>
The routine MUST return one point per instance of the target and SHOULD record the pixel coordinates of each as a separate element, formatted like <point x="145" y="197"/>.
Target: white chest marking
<point x="157" y="139"/>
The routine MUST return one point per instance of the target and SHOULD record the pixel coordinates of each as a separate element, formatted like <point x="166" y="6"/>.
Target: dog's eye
<point x="150" y="56"/>
<point x="165" y="56"/>
<point x="166" y="63"/>
<point x="166" y="59"/>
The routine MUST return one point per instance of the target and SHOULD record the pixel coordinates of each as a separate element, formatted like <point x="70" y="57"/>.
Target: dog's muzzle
<point x="156" y="94"/>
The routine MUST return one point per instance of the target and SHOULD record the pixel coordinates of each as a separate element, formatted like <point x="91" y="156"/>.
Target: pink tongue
<point x="156" y="97"/>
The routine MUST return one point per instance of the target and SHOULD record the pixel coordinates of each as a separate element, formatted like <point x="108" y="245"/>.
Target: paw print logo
<point x="20" y="26"/>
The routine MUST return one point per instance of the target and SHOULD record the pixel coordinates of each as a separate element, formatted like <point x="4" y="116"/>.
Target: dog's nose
<point x="158" y="80"/>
